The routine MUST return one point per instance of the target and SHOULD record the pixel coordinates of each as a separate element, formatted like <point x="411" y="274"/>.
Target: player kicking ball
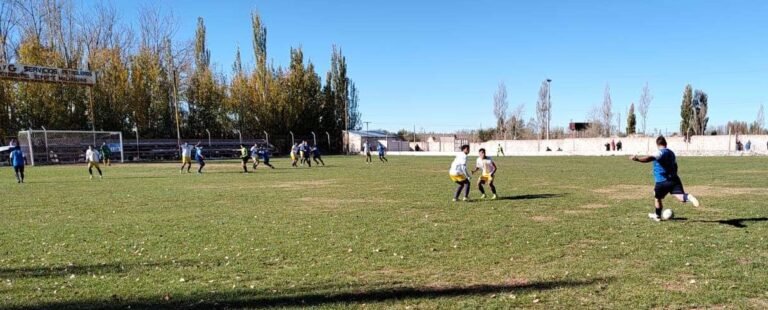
<point x="486" y="164"/>
<point x="92" y="157"/>
<point x="667" y="180"/>
<point x="459" y="174"/>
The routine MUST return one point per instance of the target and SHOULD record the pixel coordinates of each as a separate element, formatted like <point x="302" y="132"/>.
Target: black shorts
<point x="18" y="169"/>
<point x="245" y="160"/>
<point x="672" y="186"/>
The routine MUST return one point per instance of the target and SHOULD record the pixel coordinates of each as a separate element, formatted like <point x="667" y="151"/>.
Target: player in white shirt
<point x="92" y="157"/>
<point x="488" y="167"/>
<point x="459" y="173"/>
<point x="367" y="151"/>
<point x="186" y="157"/>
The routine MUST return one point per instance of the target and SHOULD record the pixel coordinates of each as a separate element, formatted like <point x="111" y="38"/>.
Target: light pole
<point x="293" y="141"/>
<point x="549" y="104"/>
<point x="209" y="137"/>
<point x="136" y="130"/>
<point x="267" y="135"/>
<point x="314" y="137"/>
<point x="329" y="140"/>
<point x="239" y="135"/>
<point x="367" y="133"/>
<point x="47" y="153"/>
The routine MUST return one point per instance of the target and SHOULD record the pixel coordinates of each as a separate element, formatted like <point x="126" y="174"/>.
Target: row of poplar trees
<point x="143" y="74"/>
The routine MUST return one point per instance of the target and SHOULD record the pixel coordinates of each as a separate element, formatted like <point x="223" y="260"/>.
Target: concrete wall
<point x="699" y="146"/>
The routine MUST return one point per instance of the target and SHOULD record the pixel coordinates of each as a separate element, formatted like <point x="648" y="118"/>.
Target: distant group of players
<point x="301" y="152"/>
<point x="667" y="180"/>
<point x="379" y="147"/>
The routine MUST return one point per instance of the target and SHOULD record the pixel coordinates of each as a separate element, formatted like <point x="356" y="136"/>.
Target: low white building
<point x="392" y="142"/>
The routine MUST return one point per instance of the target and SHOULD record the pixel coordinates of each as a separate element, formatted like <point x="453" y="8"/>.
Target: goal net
<point x="45" y="147"/>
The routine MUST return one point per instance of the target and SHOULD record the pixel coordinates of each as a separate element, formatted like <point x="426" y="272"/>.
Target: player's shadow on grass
<point x="531" y="196"/>
<point x="241" y="299"/>
<point x="738" y="223"/>
<point x="97" y="269"/>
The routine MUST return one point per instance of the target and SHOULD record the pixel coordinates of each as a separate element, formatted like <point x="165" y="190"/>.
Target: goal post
<point x="47" y="147"/>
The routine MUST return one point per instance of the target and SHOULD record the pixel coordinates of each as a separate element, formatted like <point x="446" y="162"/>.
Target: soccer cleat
<point x="454" y="200"/>
<point x="482" y="196"/>
<point x="654" y="217"/>
<point x="693" y="200"/>
<point x="494" y="197"/>
<point x="101" y="177"/>
<point x="465" y="199"/>
<point x="90" y="178"/>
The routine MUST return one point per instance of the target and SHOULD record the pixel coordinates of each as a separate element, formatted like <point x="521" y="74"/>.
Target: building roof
<point x="372" y="134"/>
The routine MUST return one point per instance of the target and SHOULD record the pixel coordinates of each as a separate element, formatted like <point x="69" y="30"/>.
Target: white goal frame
<point x="45" y="133"/>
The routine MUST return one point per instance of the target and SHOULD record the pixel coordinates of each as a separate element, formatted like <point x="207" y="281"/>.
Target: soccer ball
<point x="667" y="214"/>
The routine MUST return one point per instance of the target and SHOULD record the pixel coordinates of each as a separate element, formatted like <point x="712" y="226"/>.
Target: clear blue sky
<point x="436" y="64"/>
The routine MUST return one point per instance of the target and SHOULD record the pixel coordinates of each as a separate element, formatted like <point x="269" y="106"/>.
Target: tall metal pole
<point x="329" y="139"/>
<point x="267" y="135"/>
<point x="293" y="141"/>
<point x="209" y="137"/>
<point x="314" y="138"/>
<point x="367" y="133"/>
<point x="549" y="104"/>
<point x="176" y="106"/>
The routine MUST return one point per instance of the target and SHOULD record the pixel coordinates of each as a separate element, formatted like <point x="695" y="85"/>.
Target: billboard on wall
<point x="28" y="73"/>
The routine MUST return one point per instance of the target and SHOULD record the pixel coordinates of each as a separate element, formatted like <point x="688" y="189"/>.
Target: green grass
<point x="570" y="233"/>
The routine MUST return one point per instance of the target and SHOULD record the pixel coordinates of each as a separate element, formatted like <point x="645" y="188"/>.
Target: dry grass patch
<point x="593" y="206"/>
<point x="543" y="219"/>
<point x="303" y="184"/>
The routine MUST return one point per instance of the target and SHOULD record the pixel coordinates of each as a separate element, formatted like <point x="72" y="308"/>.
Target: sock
<point x="466" y="190"/>
<point x="658" y="212"/>
<point x="458" y="191"/>
<point x="482" y="190"/>
<point x="685" y="198"/>
<point x="493" y="189"/>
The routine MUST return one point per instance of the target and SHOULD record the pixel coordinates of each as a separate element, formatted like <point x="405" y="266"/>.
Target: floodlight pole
<point x="329" y="140"/>
<point x="267" y="135"/>
<point x="240" y="135"/>
<point x="314" y="137"/>
<point x="209" y="137"/>
<point x="136" y="130"/>
<point x="293" y="140"/>
<point x="549" y="104"/>
<point x="45" y="137"/>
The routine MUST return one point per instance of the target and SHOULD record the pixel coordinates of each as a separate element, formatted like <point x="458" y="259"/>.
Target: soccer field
<point x="568" y="232"/>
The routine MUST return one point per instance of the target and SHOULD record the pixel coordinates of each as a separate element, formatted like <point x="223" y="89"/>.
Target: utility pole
<point x="367" y="133"/>
<point x="549" y="104"/>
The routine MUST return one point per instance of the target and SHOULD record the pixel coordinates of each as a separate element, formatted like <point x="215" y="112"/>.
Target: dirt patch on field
<point x="763" y="172"/>
<point x="624" y="191"/>
<point x="578" y="212"/>
<point x="543" y="219"/>
<point x="593" y="206"/>
<point x="325" y="200"/>
<point x="759" y="303"/>
<point x="711" y="191"/>
<point x="303" y="184"/>
<point x="744" y="261"/>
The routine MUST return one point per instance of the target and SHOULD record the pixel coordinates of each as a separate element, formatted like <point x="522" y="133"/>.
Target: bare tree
<point x="606" y="111"/>
<point x="644" y="104"/>
<point x="515" y="123"/>
<point x="500" y="106"/>
<point x="759" y="120"/>
<point x="8" y="22"/>
<point x="542" y="108"/>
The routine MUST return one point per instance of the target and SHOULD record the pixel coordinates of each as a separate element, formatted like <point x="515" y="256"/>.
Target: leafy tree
<point x="700" y="105"/>
<point x="631" y="120"/>
<point x="686" y="111"/>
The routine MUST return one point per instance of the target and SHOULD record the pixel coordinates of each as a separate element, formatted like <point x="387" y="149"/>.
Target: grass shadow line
<point x="239" y="299"/>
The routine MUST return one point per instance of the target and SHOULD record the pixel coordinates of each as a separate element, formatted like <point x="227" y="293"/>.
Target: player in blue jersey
<point x="666" y="177"/>
<point x="264" y="154"/>
<point x="200" y="158"/>
<point x="382" y="152"/>
<point x="17" y="161"/>
<point x="316" y="155"/>
<point x="304" y="147"/>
